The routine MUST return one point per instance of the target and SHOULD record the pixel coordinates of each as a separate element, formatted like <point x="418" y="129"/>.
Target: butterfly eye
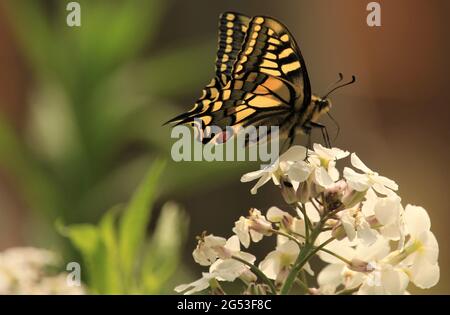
<point x="324" y="104"/>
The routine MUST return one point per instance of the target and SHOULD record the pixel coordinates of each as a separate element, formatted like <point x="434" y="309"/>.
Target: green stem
<point x="259" y="273"/>
<point x="308" y="225"/>
<point x="307" y="252"/>
<point x="289" y="236"/>
<point x="302" y="285"/>
<point x="298" y="265"/>
<point x="348" y="262"/>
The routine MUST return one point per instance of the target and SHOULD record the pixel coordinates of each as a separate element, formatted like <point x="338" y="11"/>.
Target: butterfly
<point x="260" y="80"/>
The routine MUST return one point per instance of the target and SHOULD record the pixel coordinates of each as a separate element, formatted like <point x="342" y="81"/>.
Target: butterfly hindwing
<point x="254" y="99"/>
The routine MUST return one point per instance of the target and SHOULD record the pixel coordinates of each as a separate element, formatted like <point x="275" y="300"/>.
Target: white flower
<point x="198" y="285"/>
<point x="388" y="213"/>
<point x="364" y="261"/>
<point x="275" y="170"/>
<point x="207" y="250"/>
<point x="356" y="225"/>
<point x="368" y="179"/>
<point x="326" y="158"/>
<point x="423" y="248"/>
<point x="228" y="269"/>
<point x="25" y="270"/>
<point x="278" y="261"/>
<point x="223" y="269"/>
<point x="254" y="227"/>
<point x="384" y="279"/>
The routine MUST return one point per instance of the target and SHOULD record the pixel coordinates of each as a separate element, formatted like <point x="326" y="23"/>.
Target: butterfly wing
<point x="255" y="99"/>
<point x="232" y="30"/>
<point x="270" y="48"/>
<point x="260" y="87"/>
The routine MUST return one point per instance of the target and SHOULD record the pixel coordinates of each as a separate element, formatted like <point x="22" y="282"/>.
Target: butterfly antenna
<point x="340" y="86"/>
<point x="337" y="126"/>
<point x="341" y="77"/>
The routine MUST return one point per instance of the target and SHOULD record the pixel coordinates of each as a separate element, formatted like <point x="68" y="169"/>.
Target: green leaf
<point x="134" y="221"/>
<point x="86" y="239"/>
<point x="164" y="250"/>
<point x="98" y="248"/>
<point x="112" y="270"/>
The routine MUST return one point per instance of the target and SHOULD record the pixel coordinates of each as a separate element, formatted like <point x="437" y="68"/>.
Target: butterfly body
<point x="261" y="80"/>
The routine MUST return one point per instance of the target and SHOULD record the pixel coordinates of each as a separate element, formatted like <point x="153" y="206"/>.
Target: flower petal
<point x="417" y="220"/>
<point x="356" y="162"/>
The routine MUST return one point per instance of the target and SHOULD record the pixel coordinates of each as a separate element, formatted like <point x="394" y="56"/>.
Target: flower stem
<point x="259" y="273"/>
<point x="306" y="253"/>
<point x="348" y="262"/>
<point x="308" y="226"/>
<point x="298" y="265"/>
<point x="291" y="237"/>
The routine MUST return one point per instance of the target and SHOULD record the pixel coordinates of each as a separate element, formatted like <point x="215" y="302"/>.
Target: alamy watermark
<point x="228" y="144"/>
<point x="73" y="278"/>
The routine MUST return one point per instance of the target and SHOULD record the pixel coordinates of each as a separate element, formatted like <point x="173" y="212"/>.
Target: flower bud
<point x="248" y="276"/>
<point x="352" y="197"/>
<point x="258" y="223"/>
<point x="338" y="232"/>
<point x="288" y="191"/>
<point x="307" y="190"/>
<point x="360" y="265"/>
<point x="334" y="194"/>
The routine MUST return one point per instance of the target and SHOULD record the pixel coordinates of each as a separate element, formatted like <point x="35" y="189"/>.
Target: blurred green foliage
<point x="118" y="258"/>
<point x="97" y="104"/>
<point x="98" y="98"/>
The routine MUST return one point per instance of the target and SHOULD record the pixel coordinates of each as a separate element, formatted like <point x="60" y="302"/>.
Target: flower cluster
<point x="355" y="223"/>
<point x="25" y="270"/>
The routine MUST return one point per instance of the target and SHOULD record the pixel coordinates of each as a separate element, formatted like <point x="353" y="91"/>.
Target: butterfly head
<point x="323" y="105"/>
<point x="319" y="107"/>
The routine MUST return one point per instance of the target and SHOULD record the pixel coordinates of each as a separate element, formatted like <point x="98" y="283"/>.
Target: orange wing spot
<point x="217" y="105"/>
<point x="243" y="114"/>
<point x="274" y="41"/>
<point x="285" y="38"/>
<point x="277" y="86"/>
<point x="206" y="120"/>
<point x="230" y="17"/>
<point x="290" y="67"/>
<point x="269" y="64"/>
<point x="285" y="53"/>
<point x="270" y="56"/>
<point x="264" y="101"/>
<point x="238" y="84"/>
<point x="260" y="89"/>
<point x="275" y="73"/>
<point x="226" y="94"/>
<point x="259" y="20"/>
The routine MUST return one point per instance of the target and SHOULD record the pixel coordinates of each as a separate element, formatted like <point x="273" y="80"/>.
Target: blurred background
<point x="81" y="108"/>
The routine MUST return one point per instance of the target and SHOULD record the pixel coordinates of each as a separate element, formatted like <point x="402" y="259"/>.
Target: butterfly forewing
<point x="232" y="30"/>
<point x="269" y="48"/>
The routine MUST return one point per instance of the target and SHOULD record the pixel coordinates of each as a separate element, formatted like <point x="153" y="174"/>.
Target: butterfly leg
<point x="324" y="131"/>
<point x="289" y="140"/>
